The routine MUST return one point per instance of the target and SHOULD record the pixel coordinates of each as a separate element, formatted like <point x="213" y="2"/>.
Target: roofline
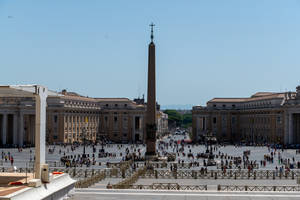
<point x="112" y="98"/>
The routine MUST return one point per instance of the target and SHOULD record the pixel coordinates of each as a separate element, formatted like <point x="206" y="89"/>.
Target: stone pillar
<point x="15" y="129"/>
<point x="41" y="94"/>
<point x="286" y="129"/>
<point x="68" y="126"/>
<point x="76" y="128"/>
<point x="142" y="129"/>
<point x="21" y="130"/>
<point x="4" y="128"/>
<point x="72" y="129"/>
<point x="133" y="128"/>
<point x="290" y="129"/>
<point x="32" y="128"/>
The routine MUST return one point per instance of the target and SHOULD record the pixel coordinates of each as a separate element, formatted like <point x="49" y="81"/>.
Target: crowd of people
<point x="178" y="150"/>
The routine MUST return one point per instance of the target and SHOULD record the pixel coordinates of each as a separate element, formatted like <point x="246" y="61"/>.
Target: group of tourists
<point x="7" y="157"/>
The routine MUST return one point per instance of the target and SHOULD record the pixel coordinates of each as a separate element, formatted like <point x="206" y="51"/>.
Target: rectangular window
<point x="214" y="120"/>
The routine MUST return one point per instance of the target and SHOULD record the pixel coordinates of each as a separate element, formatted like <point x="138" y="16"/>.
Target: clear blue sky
<point x="205" y="49"/>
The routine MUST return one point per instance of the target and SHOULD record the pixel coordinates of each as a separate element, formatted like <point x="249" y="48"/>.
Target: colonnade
<point x="13" y="131"/>
<point x="293" y="127"/>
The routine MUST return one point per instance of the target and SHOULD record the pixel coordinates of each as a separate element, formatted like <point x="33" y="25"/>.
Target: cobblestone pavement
<point x="98" y="191"/>
<point x="257" y="153"/>
<point x="21" y="158"/>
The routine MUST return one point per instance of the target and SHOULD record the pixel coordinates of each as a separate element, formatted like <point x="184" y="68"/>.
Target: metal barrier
<point x="130" y="180"/>
<point x="90" y="181"/>
<point x="258" y="188"/>
<point x="78" y="173"/>
<point x="125" y="170"/>
<point x="166" y="186"/>
<point x="218" y="174"/>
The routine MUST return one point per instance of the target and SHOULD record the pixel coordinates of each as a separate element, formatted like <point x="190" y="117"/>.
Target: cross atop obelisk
<point x="151" y="100"/>
<point x="152" y="25"/>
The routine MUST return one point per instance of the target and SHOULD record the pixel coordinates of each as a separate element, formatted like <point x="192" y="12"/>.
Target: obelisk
<point x="151" y="101"/>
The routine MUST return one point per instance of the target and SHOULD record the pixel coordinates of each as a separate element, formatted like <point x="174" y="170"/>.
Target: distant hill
<point x="177" y="107"/>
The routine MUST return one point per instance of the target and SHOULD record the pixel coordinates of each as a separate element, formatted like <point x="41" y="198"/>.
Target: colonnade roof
<point x="29" y="91"/>
<point x="261" y="96"/>
<point x="112" y="99"/>
<point x="21" y="91"/>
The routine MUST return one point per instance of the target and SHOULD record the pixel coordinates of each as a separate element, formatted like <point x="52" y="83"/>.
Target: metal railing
<point x="124" y="184"/>
<point x="91" y="180"/>
<point x="167" y="186"/>
<point x="258" y="188"/>
<point x="218" y="174"/>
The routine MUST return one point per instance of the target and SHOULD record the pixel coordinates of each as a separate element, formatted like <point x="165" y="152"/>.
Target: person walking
<point x="11" y="161"/>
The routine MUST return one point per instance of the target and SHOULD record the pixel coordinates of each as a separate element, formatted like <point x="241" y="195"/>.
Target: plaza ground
<point x="21" y="159"/>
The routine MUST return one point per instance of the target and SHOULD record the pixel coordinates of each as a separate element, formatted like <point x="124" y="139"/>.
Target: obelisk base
<point x="152" y="157"/>
<point x="151" y="140"/>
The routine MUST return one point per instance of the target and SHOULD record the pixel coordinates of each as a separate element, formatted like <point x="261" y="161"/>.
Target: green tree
<point x="187" y="120"/>
<point x="174" y="117"/>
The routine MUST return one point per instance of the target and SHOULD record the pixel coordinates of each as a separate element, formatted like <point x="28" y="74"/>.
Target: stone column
<point x="15" y="129"/>
<point x="32" y="128"/>
<point x="142" y="128"/>
<point x="72" y="129"/>
<point x="68" y="126"/>
<point x="76" y="127"/>
<point x="79" y="127"/>
<point x="41" y="94"/>
<point x="286" y="129"/>
<point x="290" y="129"/>
<point x="133" y="128"/>
<point x="4" y="128"/>
<point x="21" y="130"/>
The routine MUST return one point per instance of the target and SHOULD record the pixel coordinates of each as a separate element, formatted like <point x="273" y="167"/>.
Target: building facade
<point x="265" y="117"/>
<point x="162" y="124"/>
<point x="72" y="118"/>
<point x="69" y="118"/>
<point x="122" y="120"/>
